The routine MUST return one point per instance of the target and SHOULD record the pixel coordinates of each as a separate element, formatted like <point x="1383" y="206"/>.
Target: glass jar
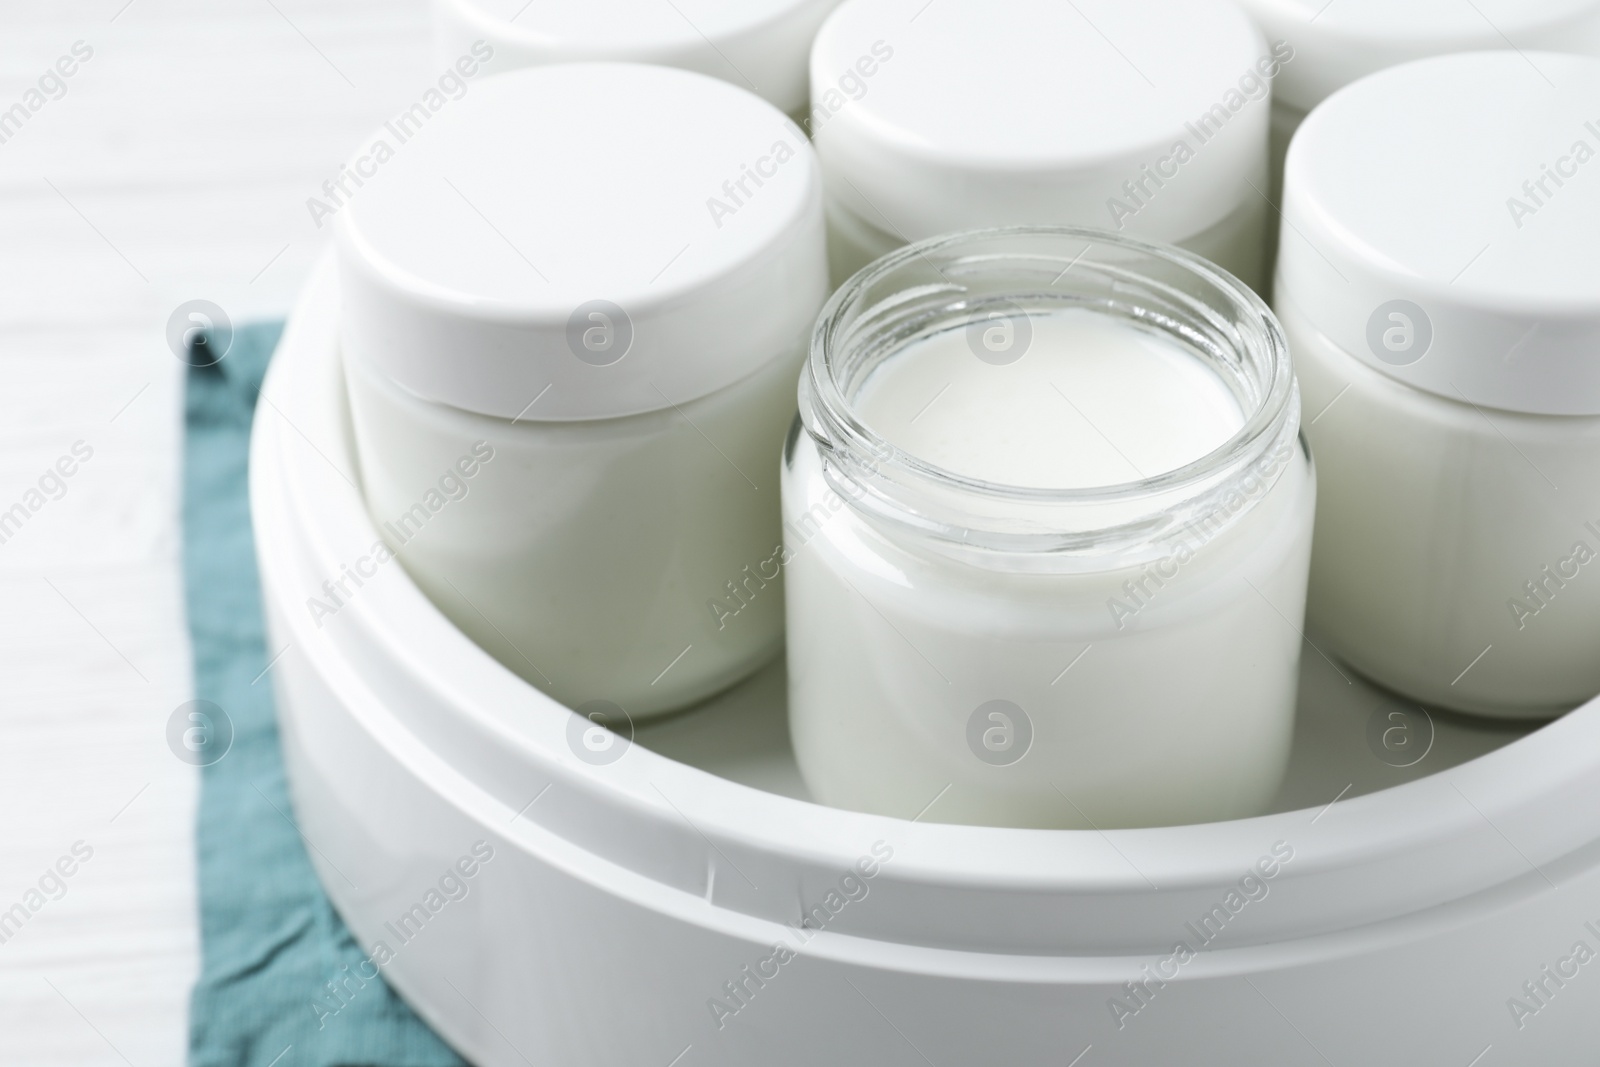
<point x="935" y="118"/>
<point x="569" y="381"/>
<point x="1068" y="648"/>
<point x="759" y="45"/>
<point x="1444" y="313"/>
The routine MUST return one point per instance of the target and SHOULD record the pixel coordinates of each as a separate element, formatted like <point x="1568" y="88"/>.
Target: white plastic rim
<point x="1418" y="239"/>
<point x="760" y="45"/>
<point x="933" y="118"/>
<point x="405" y="742"/>
<point x="676" y="218"/>
<point x="1336" y="43"/>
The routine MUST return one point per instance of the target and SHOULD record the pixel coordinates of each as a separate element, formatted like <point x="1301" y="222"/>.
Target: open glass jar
<point x="989" y="621"/>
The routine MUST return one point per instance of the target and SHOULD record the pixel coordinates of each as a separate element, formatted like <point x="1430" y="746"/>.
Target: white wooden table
<point x="175" y="165"/>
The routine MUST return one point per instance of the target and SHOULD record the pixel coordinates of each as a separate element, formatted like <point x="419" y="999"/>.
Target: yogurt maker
<point x="1426" y="888"/>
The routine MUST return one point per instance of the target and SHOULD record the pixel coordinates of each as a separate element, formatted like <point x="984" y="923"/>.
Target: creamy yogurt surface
<point x="1071" y="399"/>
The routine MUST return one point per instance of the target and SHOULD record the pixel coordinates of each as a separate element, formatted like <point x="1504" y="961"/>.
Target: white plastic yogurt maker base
<point x="634" y="889"/>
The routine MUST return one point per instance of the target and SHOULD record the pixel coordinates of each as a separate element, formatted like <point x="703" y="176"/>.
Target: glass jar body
<point x="1131" y="695"/>
<point x="615" y="559"/>
<point x="1453" y="542"/>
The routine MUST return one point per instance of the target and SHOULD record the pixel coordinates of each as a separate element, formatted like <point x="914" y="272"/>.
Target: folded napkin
<point x="270" y="941"/>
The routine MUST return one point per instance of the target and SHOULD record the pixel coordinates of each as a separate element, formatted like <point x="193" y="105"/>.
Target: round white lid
<point x="1337" y="41"/>
<point x="583" y="241"/>
<point x="963" y="114"/>
<point x="1442" y="224"/>
<point x="760" y="45"/>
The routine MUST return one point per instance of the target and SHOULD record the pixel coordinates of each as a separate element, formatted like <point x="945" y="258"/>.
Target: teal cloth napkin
<point x="270" y="941"/>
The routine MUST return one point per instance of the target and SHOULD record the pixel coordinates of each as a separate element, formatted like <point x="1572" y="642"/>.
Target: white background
<point x="176" y="166"/>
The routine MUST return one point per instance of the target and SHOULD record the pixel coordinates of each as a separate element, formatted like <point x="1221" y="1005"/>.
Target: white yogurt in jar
<point x="1046" y="561"/>
<point x="1092" y="402"/>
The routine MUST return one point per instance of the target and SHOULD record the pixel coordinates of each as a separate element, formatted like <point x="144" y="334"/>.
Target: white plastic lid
<point x="960" y="114"/>
<point x="759" y="45"/>
<point x="1337" y="42"/>
<point x="583" y="241"/>
<point x="1418" y="238"/>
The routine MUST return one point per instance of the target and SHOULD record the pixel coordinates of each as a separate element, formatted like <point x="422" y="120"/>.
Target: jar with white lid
<point x="1046" y="533"/>
<point x="1334" y="44"/>
<point x="569" y="379"/>
<point x="759" y="45"/>
<point x="1439" y="281"/>
<point x="1145" y="117"/>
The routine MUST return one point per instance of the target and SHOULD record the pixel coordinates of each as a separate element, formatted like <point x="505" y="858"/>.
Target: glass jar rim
<point x="872" y="467"/>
